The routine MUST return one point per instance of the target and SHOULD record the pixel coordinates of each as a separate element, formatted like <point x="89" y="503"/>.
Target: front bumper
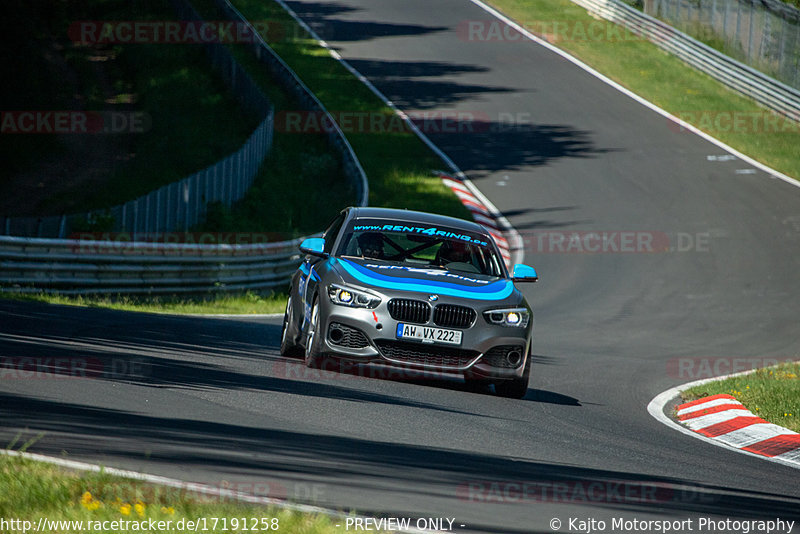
<point x="369" y="335"/>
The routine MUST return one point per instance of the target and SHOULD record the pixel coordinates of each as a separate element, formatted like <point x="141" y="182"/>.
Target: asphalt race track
<point x="210" y="400"/>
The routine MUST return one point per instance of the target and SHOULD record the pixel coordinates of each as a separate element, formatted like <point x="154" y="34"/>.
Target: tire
<point x="313" y="358"/>
<point x="515" y="388"/>
<point x="289" y="346"/>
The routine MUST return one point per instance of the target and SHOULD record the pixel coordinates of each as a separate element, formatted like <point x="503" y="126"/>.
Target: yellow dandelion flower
<point x="94" y="505"/>
<point x="125" y="509"/>
<point x="165" y="510"/>
<point x="86" y="498"/>
<point x="139" y="507"/>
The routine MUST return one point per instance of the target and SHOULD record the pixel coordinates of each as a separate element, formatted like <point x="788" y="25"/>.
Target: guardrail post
<point x="185" y="206"/>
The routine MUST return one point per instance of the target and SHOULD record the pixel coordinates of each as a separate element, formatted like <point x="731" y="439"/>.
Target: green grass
<point x="31" y="490"/>
<point x="193" y="118"/>
<point x="772" y="393"/>
<point x="670" y="84"/>
<point x="240" y="303"/>
<point x="398" y="165"/>
<point x="302" y="187"/>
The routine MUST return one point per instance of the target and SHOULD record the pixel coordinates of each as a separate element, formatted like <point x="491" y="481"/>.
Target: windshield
<point x="426" y="246"/>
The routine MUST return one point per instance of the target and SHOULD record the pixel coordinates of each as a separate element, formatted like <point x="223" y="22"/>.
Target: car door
<point x="309" y="274"/>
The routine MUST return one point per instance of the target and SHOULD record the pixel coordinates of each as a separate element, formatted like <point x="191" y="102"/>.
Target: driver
<point x="371" y="245"/>
<point x="454" y="252"/>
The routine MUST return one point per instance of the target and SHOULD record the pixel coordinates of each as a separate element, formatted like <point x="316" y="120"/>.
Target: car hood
<point x="391" y="276"/>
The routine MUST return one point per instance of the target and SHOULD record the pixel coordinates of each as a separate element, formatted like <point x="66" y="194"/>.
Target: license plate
<point x="428" y="334"/>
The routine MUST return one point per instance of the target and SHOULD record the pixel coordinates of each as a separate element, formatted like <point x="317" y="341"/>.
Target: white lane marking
<point x="749" y="435"/>
<point x="745" y="171"/>
<point x="572" y="59"/>
<point x="189" y="487"/>
<point x="706" y="405"/>
<point x="518" y="252"/>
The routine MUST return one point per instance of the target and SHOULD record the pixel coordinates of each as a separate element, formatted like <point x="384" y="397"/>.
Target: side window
<point x="332" y="231"/>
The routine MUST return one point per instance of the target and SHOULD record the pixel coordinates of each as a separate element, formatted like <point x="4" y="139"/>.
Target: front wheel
<point x="516" y="388"/>
<point x="313" y="358"/>
<point x="289" y="346"/>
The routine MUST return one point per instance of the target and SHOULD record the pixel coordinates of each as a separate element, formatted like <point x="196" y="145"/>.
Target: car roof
<point x="417" y="217"/>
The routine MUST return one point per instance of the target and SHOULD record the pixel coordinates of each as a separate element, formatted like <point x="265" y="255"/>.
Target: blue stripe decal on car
<point x="305" y="271"/>
<point x="493" y="291"/>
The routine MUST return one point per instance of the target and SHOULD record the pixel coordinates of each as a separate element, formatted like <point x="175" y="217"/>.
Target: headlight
<point x="508" y="317"/>
<point x="346" y="296"/>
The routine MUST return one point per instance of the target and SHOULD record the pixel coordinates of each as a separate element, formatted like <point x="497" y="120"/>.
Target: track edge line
<point x="180" y="484"/>
<point x="640" y="99"/>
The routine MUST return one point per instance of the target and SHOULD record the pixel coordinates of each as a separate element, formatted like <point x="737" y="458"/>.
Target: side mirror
<point x="524" y="273"/>
<point x="314" y="246"/>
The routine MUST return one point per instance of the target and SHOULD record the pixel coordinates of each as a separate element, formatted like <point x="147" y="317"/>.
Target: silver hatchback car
<point x="413" y="290"/>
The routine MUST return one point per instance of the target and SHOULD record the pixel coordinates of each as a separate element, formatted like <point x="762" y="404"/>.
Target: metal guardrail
<point x="29" y="265"/>
<point x="176" y="206"/>
<point x="764" y="34"/>
<point x="65" y="266"/>
<point x="307" y="100"/>
<point x="181" y="204"/>
<point x="746" y="80"/>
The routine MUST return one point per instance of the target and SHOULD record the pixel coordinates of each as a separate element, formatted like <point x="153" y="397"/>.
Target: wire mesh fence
<point x="764" y="34"/>
<point x="182" y="204"/>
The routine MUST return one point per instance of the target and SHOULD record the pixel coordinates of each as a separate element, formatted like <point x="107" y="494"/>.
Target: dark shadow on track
<point x="365" y="31"/>
<point x="476" y="478"/>
<point x="507" y="141"/>
<point x="426" y="84"/>
<point x="171" y="351"/>
<point x="500" y="145"/>
<point x="318" y="16"/>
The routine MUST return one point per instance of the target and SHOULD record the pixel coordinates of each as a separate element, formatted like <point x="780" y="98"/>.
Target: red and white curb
<point x="725" y="419"/>
<point x="482" y="213"/>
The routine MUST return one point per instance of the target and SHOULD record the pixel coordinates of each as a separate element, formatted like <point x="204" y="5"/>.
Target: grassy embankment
<point x="75" y="502"/>
<point x="772" y="393"/>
